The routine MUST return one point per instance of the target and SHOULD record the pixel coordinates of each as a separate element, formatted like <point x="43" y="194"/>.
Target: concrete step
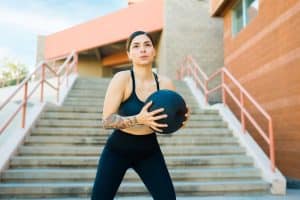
<point x="87" y="89"/>
<point x="100" y="93"/>
<point x="184" y="132"/>
<point x="71" y="115"/>
<point x="68" y="123"/>
<point x="181" y="87"/>
<point x="74" y="109"/>
<point x="94" y="151"/>
<point x="104" y="86"/>
<point x="98" y="100"/>
<point x="77" y="94"/>
<point x="207" y="161"/>
<point x="177" y="83"/>
<point x="98" y="103"/>
<point x="97" y="123"/>
<point x="86" y="80"/>
<point x="83" y="98"/>
<point x="95" y="98"/>
<point x="83" y="189"/>
<point x="77" y="175"/>
<point x="94" y="83"/>
<point x="83" y="109"/>
<point x="82" y="79"/>
<point x="100" y="140"/>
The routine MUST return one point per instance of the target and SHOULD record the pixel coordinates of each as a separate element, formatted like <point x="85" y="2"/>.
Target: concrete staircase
<point x="59" y="158"/>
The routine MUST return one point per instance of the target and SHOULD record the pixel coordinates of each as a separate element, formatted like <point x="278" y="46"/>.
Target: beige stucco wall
<point x="40" y="48"/>
<point x="89" y="67"/>
<point x="189" y="29"/>
<point x="161" y="56"/>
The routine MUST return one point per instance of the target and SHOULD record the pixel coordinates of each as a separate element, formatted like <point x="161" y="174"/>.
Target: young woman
<point x="133" y="143"/>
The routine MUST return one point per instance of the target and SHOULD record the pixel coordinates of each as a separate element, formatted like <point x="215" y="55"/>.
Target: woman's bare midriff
<point x="140" y="130"/>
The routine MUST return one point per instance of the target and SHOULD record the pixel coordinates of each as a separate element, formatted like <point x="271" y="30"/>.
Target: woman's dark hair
<point x="133" y="35"/>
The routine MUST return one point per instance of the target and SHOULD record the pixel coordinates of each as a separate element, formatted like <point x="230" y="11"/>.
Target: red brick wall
<point x="265" y="56"/>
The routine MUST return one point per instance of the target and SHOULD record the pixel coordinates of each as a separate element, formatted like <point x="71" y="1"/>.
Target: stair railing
<point x="64" y="70"/>
<point x="189" y="67"/>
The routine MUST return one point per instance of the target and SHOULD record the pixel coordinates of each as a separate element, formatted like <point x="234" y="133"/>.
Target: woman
<point x="133" y="144"/>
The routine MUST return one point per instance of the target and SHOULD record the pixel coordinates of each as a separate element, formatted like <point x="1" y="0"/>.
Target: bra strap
<point x="156" y="80"/>
<point x="133" y="80"/>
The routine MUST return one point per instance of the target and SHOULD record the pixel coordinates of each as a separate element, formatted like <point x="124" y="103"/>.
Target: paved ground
<point x="291" y="195"/>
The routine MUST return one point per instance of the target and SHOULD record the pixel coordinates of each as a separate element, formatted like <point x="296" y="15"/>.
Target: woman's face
<point x="141" y="50"/>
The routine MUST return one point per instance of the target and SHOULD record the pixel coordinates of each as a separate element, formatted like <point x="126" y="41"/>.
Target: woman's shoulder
<point x="165" y="82"/>
<point x="163" y="78"/>
<point x="121" y="76"/>
<point x="120" y="79"/>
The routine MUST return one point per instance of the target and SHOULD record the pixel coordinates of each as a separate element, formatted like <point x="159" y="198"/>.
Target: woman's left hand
<point x="187" y="115"/>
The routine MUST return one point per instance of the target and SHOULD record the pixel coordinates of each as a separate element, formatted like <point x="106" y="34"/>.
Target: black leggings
<point x="143" y="154"/>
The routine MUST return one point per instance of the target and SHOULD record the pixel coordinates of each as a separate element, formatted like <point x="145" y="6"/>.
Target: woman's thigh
<point x="110" y="172"/>
<point x="154" y="173"/>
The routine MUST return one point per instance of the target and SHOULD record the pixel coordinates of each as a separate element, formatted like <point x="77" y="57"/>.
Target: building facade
<point x="256" y="40"/>
<point x="101" y="42"/>
<point x="262" y="49"/>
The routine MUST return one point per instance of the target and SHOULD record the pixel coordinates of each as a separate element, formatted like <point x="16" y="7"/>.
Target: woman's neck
<point x="143" y="72"/>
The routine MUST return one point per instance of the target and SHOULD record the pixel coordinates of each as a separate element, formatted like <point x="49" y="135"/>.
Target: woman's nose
<point x="142" y="49"/>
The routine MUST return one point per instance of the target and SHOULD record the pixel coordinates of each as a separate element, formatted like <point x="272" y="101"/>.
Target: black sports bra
<point x="133" y="105"/>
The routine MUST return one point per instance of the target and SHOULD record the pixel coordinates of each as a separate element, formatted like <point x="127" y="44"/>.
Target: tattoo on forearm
<point x="119" y="122"/>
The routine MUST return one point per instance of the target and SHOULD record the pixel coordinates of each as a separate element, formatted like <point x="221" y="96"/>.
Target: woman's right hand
<point x="149" y="118"/>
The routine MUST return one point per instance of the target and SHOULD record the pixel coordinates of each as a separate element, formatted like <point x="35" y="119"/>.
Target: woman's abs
<point x="138" y="130"/>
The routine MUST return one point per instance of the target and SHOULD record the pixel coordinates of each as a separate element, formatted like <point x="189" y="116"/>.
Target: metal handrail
<point x="191" y="68"/>
<point x="42" y="66"/>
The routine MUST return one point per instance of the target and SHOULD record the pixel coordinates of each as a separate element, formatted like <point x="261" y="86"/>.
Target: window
<point x="238" y="17"/>
<point x="252" y="9"/>
<point x="243" y="12"/>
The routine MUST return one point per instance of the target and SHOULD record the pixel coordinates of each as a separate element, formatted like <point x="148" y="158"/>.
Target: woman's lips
<point x="143" y="56"/>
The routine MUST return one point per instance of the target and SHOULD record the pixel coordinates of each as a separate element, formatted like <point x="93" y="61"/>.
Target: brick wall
<point x="265" y="56"/>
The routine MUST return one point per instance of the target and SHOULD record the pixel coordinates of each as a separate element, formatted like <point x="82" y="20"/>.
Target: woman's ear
<point x="154" y="52"/>
<point x="128" y="54"/>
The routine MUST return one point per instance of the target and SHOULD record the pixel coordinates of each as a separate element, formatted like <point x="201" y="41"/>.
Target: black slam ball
<point x="174" y="106"/>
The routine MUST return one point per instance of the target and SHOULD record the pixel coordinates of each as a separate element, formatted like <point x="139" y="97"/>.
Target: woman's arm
<point x="113" y="98"/>
<point x="119" y="122"/>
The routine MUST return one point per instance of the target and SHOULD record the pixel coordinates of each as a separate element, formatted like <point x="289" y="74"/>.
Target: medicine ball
<point x="174" y="106"/>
